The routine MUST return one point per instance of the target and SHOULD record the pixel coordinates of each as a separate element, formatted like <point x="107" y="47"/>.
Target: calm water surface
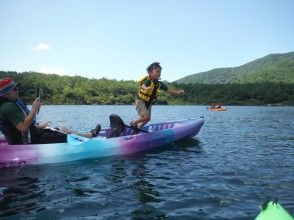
<point x="239" y="158"/>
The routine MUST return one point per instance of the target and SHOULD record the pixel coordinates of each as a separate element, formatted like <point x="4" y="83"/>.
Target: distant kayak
<point x="217" y="109"/>
<point x="273" y="211"/>
<point x="77" y="148"/>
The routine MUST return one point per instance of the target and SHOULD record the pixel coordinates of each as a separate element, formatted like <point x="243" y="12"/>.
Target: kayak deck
<point x="149" y="128"/>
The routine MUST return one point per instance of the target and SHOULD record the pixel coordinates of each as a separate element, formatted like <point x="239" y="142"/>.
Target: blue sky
<point x="118" y="39"/>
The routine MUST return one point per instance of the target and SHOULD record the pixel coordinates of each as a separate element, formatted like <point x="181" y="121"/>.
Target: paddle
<point x="39" y="93"/>
<point x="39" y="96"/>
<point x="135" y="128"/>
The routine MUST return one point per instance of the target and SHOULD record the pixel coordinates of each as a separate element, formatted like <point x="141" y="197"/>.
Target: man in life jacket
<point x="147" y="95"/>
<point x="17" y="122"/>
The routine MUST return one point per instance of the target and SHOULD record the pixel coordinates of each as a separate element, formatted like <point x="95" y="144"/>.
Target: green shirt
<point x="11" y="112"/>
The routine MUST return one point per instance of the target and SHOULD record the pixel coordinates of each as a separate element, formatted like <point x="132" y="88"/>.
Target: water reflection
<point x="131" y="176"/>
<point x="145" y="190"/>
<point x="118" y="171"/>
<point x="146" y="171"/>
<point x="189" y="144"/>
<point x="146" y="193"/>
<point x="20" y="191"/>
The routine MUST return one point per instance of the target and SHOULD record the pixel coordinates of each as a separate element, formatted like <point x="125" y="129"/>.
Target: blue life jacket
<point x="25" y="108"/>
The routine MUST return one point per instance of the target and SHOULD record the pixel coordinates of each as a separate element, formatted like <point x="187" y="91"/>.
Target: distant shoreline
<point x="83" y="91"/>
<point x="249" y="105"/>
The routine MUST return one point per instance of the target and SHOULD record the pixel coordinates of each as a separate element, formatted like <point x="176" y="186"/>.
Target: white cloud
<point x="53" y="70"/>
<point x="41" y="46"/>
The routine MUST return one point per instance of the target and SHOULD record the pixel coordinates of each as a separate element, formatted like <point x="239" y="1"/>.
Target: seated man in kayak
<point x="18" y="124"/>
<point x="147" y="95"/>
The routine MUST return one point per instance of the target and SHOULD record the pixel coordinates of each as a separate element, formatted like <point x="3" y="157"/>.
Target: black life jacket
<point x="11" y="133"/>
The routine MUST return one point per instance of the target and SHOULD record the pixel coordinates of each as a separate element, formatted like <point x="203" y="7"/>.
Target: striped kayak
<point x="272" y="210"/>
<point x="78" y="148"/>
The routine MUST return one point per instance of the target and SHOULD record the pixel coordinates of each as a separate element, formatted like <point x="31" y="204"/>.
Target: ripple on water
<point x="240" y="157"/>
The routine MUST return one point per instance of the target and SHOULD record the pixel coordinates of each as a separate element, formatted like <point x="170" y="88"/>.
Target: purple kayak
<point x="78" y="148"/>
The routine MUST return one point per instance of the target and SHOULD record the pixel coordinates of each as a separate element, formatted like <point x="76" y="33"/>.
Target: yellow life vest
<point x="148" y="95"/>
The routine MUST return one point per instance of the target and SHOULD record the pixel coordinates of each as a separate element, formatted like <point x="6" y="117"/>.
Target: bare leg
<point x="83" y="134"/>
<point x="143" y="120"/>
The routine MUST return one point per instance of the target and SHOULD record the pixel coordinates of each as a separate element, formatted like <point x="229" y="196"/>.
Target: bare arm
<point x="24" y="126"/>
<point x="175" y="92"/>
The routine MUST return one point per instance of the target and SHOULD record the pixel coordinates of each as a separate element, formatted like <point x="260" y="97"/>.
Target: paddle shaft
<point x="39" y="96"/>
<point x="138" y="129"/>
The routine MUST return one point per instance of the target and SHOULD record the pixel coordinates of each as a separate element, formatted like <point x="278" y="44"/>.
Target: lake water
<point x="239" y="159"/>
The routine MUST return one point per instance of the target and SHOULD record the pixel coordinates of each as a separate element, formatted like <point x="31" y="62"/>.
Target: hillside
<point x="272" y="68"/>
<point x="81" y="90"/>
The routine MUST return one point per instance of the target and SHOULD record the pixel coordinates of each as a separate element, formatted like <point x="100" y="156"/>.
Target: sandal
<point x="135" y="128"/>
<point x="96" y="130"/>
<point x="133" y="125"/>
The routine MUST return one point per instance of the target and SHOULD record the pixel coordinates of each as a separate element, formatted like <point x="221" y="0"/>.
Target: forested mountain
<point x="274" y="68"/>
<point x="73" y="89"/>
<point x="81" y="90"/>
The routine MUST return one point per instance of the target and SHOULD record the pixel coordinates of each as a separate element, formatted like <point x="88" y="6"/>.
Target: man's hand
<point x="24" y="125"/>
<point x="36" y="105"/>
<point x="44" y="125"/>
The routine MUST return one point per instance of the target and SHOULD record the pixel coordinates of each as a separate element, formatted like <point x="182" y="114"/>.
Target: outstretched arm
<point x="175" y="92"/>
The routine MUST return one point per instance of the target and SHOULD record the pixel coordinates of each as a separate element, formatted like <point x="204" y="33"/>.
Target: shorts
<point x="142" y="109"/>
<point x="48" y="136"/>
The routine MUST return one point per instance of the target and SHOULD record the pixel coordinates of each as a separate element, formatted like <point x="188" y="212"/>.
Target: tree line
<point x="80" y="90"/>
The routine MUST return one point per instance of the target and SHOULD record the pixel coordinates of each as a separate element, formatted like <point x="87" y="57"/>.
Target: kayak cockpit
<point x="149" y="128"/>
